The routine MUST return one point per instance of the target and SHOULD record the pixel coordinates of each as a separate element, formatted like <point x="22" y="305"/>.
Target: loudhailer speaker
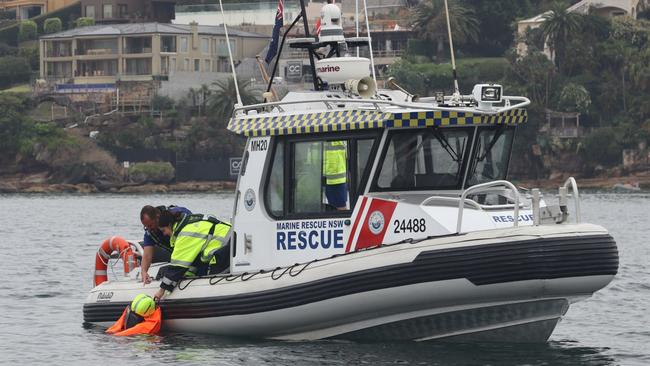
<point x="365" y="87"/>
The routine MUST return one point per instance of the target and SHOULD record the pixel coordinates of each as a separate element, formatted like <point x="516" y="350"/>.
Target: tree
<point x="13" y="70"/>
<point x="224" y="97"/>
<point x="52" y="25"/>
<point x="430" y="22"/>
<point x="497" y="21"/>
<point x="558" y="26"/>
<point x="27" y="31"/>
<point x="575" y="98"/>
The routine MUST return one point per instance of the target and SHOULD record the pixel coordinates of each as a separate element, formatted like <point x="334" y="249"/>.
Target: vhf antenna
<point x="451" y="48"/>
<point x="232" y="63"/>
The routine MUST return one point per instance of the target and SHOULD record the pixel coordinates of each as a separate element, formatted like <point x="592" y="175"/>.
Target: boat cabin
<point x="403" y="168"/>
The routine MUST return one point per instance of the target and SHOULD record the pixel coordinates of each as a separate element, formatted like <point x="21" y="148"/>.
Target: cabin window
<point x="425" y="159"/>
<point x="492" y="156"/>
<point x="275" y="187"/>
<point x="320" y="177"/>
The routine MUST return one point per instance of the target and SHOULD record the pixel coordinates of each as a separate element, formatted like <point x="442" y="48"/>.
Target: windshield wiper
<point x="445" y="145"/>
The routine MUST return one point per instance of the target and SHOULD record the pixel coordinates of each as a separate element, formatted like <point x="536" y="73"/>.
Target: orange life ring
<point x="110" y="245"/>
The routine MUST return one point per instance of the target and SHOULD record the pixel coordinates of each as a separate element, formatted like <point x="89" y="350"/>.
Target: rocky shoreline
<point x="599" y="183"/>
<point x="85" y="188"/>
<point x="23" y="184"/>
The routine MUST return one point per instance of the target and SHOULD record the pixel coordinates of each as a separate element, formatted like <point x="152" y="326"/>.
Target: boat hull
<point x="502" y="285"/>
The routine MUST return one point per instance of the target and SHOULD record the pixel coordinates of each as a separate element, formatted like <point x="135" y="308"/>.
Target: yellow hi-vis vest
<point x="335" y="162"/>
<point x="202" y="238"/>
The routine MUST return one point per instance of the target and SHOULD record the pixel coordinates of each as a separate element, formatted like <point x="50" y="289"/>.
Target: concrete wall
<point x="180" y="82"/>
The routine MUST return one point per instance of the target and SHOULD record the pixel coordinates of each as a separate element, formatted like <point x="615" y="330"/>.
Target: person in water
<point x="198" y="242"/>
<point x="153" y="237"/>
<point x="141" y="317"/>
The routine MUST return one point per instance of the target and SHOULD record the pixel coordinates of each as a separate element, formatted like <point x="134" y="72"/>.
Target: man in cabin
<point x="153" y="237"/>
<point x="336" y="173"/>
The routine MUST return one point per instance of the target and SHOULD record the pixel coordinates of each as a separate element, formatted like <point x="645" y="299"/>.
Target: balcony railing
<point x="95" y="52"/>
<point x="137" y="50"/>
<point x="59" y="53"/>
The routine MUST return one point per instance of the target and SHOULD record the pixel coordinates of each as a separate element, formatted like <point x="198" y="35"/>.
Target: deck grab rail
<point x="483" y="187"/>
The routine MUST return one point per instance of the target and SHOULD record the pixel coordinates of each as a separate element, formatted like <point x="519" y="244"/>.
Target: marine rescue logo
<point x="249" y="200"/>
<point x="376" y="222"/>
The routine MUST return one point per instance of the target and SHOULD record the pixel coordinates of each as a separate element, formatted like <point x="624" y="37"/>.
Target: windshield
<point x="491" y="157"/>
<point x="423" y="159"/>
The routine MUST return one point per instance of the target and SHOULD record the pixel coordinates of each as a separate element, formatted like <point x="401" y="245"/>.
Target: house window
<point x="90" y="11"/>
<point x="205" y="46"/>
<point x="172" y="64"/>
<point x="197" y="65"/>
<point x="206" y="65"/>
<point x="224" y="65"/>
<point x="122" y="10"/>
<point x="107" y="11"/>
<point x="184" y="44"/>
<point x="168" y="44"/>
<point x="186" y="64"/>
<point x="214" y="46"/>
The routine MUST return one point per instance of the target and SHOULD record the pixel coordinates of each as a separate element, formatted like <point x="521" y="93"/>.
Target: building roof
<point x="147" y="28"/>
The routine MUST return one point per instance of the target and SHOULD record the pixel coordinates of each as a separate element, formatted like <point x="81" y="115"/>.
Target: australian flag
<point x="279" y="22"/>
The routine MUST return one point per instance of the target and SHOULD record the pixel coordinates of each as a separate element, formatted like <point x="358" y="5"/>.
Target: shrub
<point x="13" y="70"/>
<point x="84" y="22"/>
<point x="152" y="172"/>
<point x="603" y="146"/>
<point x="27" y="30"/>
<point x="52" y="25"/>
<point x="31" y="55"/>
<point x="7" y="50"/>
<point x="162" y="103"/>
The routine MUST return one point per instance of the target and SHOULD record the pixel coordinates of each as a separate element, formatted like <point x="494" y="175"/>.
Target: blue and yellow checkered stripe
<point x="331" y="121"/>
<point x="453" y="118"/>
<point x="308" y="123"/>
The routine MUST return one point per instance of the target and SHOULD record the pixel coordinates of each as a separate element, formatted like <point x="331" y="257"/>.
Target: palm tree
<point x="224" y="97"/>
<point x="205" y="94"/>
<point x="559" y="24"/>
<point x="430" y="22"/>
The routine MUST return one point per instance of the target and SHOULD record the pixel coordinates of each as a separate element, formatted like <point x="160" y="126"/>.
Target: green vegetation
<point x="52" y="25"/>
<point x="152" y="172"/>
<point x="84" y="22"/>
<point x="13" y="70"/>
<point x="600" y="68"/>
<point x="71" y="158"/>
<point x="19" y="89"/>
<point x="224" y="97"/>
<point x="68" y="14"/>
<point x="27" y="31"/>
<point x="431" y="23"/>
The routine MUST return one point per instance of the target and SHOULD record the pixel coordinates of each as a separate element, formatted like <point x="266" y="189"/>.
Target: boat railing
<point x="379" y="105"/>
<point x="470" y="203"/>
<point x="570" y="183"/>
<point x="483" y="188"/>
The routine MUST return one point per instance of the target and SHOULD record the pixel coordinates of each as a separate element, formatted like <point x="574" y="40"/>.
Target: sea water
<point x="47" y="249"/>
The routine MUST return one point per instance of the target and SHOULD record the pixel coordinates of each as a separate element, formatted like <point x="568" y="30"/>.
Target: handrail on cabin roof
<point x="377" y="104"/>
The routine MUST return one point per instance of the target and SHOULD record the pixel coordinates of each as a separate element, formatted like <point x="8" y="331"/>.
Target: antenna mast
<point x="232" y="63"/>
<point x="372" y="59"/>
<point x="451" y="48"/>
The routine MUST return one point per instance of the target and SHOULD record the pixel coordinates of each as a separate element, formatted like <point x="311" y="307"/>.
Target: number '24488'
<point x="410" y="226"/>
